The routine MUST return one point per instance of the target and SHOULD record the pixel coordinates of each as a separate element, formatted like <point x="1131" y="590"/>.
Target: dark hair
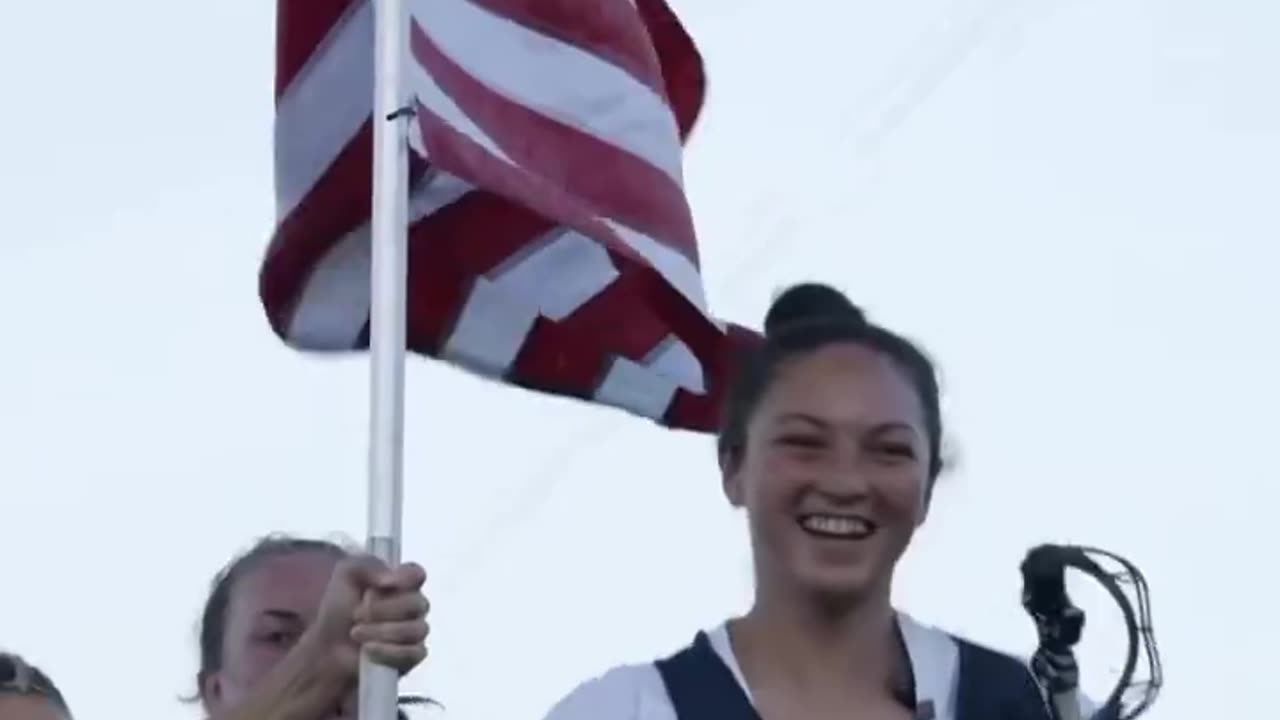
<point x="17" y="677"/>
<point x="213" y="621"/>
<point x="803" y="319"/>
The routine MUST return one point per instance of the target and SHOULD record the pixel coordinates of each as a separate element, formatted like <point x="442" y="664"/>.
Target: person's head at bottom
<point x="26" y="693"/>
<point x="830" y="441"/>
<point x="304" y="607"/>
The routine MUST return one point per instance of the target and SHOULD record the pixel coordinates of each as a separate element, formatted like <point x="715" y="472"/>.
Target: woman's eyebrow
<point x="801" y="417"/>
<point x="287" y="616"/>
<point x="895" y="425"/>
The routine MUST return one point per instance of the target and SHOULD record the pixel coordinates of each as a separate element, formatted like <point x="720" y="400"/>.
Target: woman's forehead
<point x="283" y="581"/>
<point x="843" y="383"/>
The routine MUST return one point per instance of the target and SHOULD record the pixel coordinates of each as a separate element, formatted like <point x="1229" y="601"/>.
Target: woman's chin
<point x="844" y="584"/>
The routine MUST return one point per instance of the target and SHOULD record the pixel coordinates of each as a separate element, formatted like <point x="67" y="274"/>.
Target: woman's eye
<point x="899" y="450"/>
<point x="801" y="441"/>
<point x="278" y="637"/>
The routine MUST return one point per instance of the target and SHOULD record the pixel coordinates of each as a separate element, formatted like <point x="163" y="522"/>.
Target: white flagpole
<point x="389" y="231"/>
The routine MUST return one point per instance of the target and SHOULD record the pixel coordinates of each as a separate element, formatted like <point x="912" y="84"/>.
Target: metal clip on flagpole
<point x="389" y="238"/>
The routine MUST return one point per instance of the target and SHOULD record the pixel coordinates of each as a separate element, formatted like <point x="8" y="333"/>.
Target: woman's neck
<point x="808" y="645"/>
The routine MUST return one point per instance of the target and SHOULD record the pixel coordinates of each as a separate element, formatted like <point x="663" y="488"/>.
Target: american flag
<point x="550" y="243"/>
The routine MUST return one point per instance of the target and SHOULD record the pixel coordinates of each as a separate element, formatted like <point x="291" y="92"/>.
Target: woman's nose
<point x="845" y="482"/>
<point x="850" y="471"/>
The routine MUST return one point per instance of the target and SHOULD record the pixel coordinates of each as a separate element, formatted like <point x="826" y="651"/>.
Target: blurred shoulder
<point x="625" y="692"/>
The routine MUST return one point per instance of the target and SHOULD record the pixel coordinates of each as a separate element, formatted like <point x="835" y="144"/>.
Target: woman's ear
<point x="731" y="477"/>
<point x="926" y="499"/>
<point x="210" y="691"/>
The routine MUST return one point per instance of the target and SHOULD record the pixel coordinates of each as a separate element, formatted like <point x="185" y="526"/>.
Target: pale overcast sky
<point x="1074" y="205"/>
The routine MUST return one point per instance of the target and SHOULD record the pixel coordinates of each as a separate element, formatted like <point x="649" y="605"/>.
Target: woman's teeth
<point x="848" y="527"/>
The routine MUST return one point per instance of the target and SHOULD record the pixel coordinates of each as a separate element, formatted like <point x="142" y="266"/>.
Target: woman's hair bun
<point x="811" y="303"/>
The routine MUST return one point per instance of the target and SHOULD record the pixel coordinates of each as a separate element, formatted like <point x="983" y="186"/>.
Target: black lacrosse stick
<point x="1059" y="626"/>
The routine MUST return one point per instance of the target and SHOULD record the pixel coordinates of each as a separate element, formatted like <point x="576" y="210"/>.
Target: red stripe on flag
<point x="434" y="294"/>
<point x="480" y="231"/>
<point x="576" y="353"/>
<point x="605" y="28"/>
<point x="301" y="26"/>
<point x="337" y="204"/>
<point x="594" y="335"/>
<point x="452" y="246"/>
<point x="451" y="149"/>
<point x="690" y="410"/>
<point x="616" y="183"/>
<point x="682" y="68"/>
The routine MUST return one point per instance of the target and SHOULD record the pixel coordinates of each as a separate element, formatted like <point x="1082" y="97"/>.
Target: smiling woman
<point x="830" y="442"/>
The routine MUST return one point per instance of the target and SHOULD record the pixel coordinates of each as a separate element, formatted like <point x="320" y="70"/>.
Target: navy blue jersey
<point x="950" y="679"/>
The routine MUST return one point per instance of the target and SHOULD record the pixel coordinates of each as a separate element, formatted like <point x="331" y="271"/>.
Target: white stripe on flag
<point x="334" y="304"/>
<point x="323" y="107"/>
<point x="431" y="95"/>
<point x="556" y="79"/>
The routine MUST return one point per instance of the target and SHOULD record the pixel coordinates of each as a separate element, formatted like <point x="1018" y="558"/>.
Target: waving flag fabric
<point x="550" y="242"/>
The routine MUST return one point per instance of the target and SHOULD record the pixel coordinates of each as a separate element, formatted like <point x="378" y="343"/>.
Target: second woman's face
<point x="834" y="475"/>
<point x="271" y="605"/>
<point x="28" y="707"/>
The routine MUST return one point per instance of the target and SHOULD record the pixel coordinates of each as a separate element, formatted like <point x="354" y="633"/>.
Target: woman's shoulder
<point x="931" y="645"/>
<point x="625" y="692"/>
<point x="961" y="671"/>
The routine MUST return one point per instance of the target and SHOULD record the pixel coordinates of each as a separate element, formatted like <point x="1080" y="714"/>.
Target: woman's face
<point x="271" y="604"/>
<point x="834" y="475"/>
